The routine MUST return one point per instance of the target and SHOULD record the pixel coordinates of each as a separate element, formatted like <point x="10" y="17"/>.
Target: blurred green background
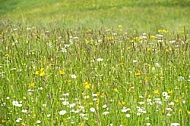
<point x="146" y="15"/>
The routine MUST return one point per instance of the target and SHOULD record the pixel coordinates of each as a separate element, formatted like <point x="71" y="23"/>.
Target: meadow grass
<point x="94" y="77"/>
<point x="101" y="62"/>
<point x="141" y="15"/>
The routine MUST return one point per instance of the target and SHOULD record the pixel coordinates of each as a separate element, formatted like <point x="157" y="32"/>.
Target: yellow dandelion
<point x="103" y="95"/>
<point x="42" y="73"/>
<point x="149" y="96"/>
<point x="37" y="72"/>
<point x="86" y="85"/>
<point x="148" y="49"/>
<point x="91" y="103"/>
<point x="23" y="124"/>
<point x="120" y="26"/>
<point x="166" y="51"/>
<point x="128" y="47"/>
<point x="98" y="93"/>
<point x="7" y="55"/>
<point x="138" y="73"/>
<point x="32" y="53"/>
<point x="188" y="112"/>
<point x="97" y="101"/>
<point x="82" y="124"/>
<point x="165" y="31"/>
<point x="170" y="91"/>
<point x="3" y="121"/>
<point x="123" y="103"/>
<point x="42" y="69"/>
<point x="152" y="37"/>
<point x="32" y="85"/>
<point x="176" y="100"/>
<point x="115" y="90"/>
<point x="87" y="41"/>
<point x="156" y="92"/>
<point x="62" y="72"/>
<point x="163" y="111"/>
<point x="69" y="81"/>
<point x="122" y="63"/>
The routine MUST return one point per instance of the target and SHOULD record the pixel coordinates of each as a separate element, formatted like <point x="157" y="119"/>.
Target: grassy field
<point x="94" y="63"/>
<point x="140" y="15"/>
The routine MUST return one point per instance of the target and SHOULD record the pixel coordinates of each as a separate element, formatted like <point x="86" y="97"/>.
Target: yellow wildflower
<point x="115" y="90"/>
<point x="82" y="124"/>
<point x="31" y="85"/>
<point x="7" y="55"/>
<point x="176" y="100"/>
<point x="3" y="121"/>
<point x="156" y="92"/>
<point x="86" y="85"/>
<point x="128" y="47"/>
<point x="152" y="37"/>
<point x="37" y="72"/>
<point x="123" y="103"/>
<point x="42" y="73"/>
<point x="188" y="112"/>
<point x="166" y="50"/>
<point x="138" y="73"/>
<point x="62" y="72"/>
<point x="148" y="49"/>
<point x="169" y="91"/>
<point x="120" y="26"/>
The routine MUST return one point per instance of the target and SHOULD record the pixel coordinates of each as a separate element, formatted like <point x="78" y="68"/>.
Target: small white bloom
<point x="67" y="45"/>
<point x="65" y="102"/>
<point x="28" y="28"/>
<point x="169" y="109"/>
<point x="95" y="99"/>
<point x="44" y="105"/>
<point x="83" y="115"/>
<point x="171" y="103"/>
<point x="160" y="40"/>
<point x="99" y="59"/>
<point x="180" y="78"/>
<point x="48" y="115"/>
<point x="157" y="65"/>
<point x="38" y="121"/>
<point x="134" y="61"/>
<point x="92" y="109"/>
<point x="148" y="124"/>
<point x="25" y="111"/>
<point x="19" y="119"/>
<point x="3" y="104"/>
<point x="40" y="88"/>
<point x="73" y="76"/>
<point x="141" y="103"/>
<point x="72" y="105"/>
<point x="127" y="115"/>
<point x="17" y="104"/>
<point x="62" y="112"/>
<point x="104" y="106"/>
<point x="66" y="94"/>
<point x="8" y="97"/>
<point x="63" y="50"/>
<point x="138" y="113"/>
<point x="94" y="95"/>
<point x="124" y="109"/>
<point x="168" y="114"/>
<point x="175" y="124"/>
<point x="105" y="113"/>
<point x="164" y="94"/>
